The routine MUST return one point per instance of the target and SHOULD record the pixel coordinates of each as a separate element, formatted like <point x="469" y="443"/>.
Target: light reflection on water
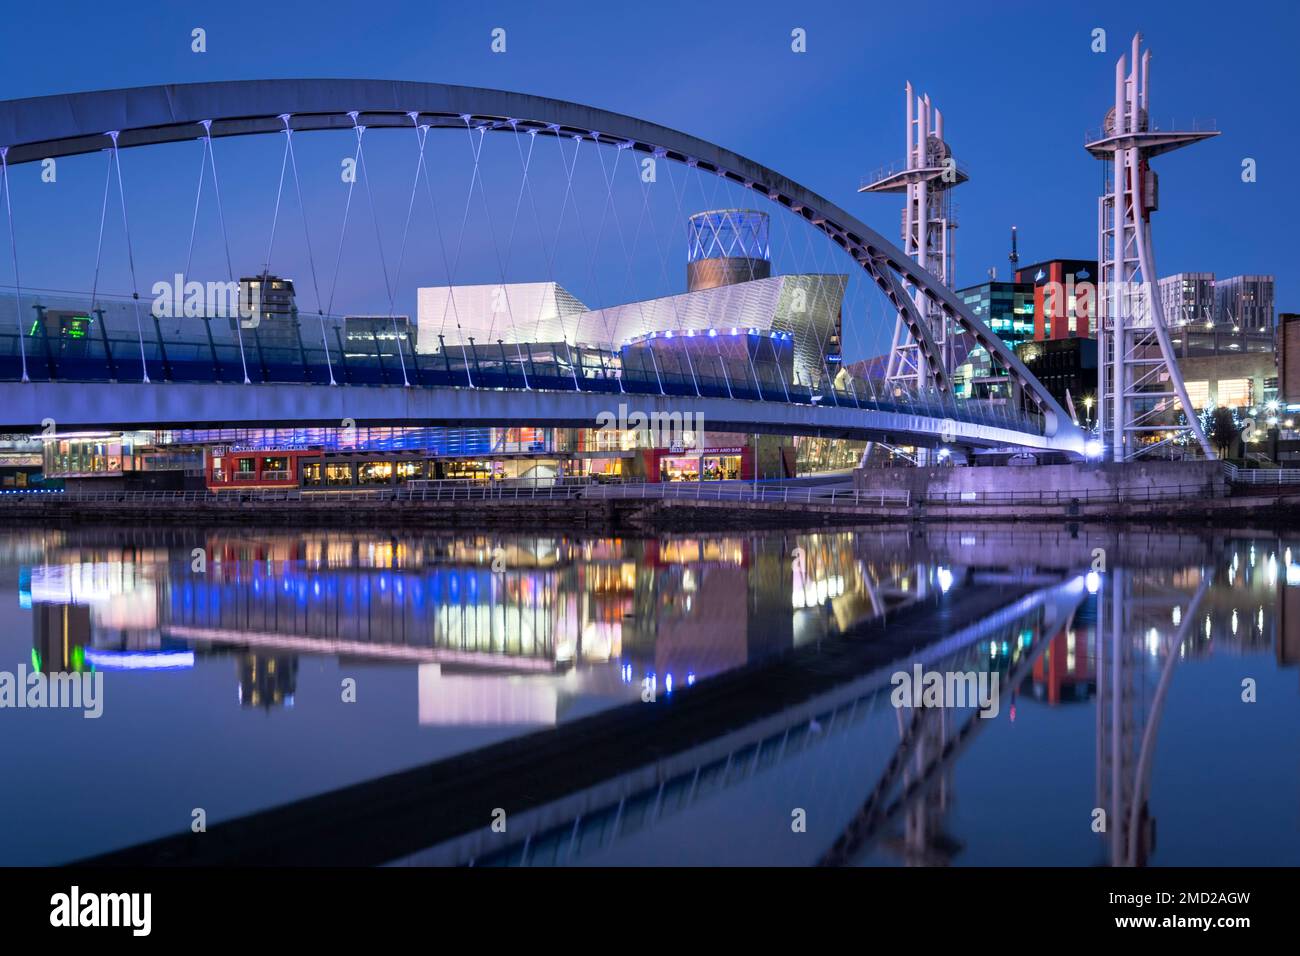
<point x="223" y="684"/>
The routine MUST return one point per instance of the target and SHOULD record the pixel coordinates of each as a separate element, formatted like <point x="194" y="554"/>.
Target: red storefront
<point x="232" y="467"/>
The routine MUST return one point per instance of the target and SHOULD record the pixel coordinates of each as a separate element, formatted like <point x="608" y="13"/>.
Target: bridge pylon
<point x="927" y="176"/>
<point x="1141" y="392"/>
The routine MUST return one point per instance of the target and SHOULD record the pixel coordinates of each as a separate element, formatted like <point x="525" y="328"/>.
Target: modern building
<point x="1068" y="370"/>
<point x="726" y="247"/>
<point x="1188" y="299"/>
<point x="1007" y="308"/>
<point x="365" y="457"/>
<point x="735" y="325"/>
<point x="1065" y="297"/>
<point x="729" y="292"/>
<point x="270" y="300"/>
<point x="1237" y="304"/>
<point x="1245" y="303"/>
<point x="1288" y="356"/>
<point x="137" y="461"/>
<point x="1244" y="381"/>
<point x="513" y="312"/>
<point x="22" y="463"/>
<point x="1210" y="316"/>
<point x="369" y="335"/>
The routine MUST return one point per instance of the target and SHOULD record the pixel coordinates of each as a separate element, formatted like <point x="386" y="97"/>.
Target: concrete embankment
<point x="477" y="514"/>
<point x="631" y="515"/>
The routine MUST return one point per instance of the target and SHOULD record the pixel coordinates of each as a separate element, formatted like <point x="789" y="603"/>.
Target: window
<point x="407" y="470"/>
<point x="311" y="474"/>
<point x="1198" y="393"/>
<point x="375" y="473"/>
<point x="1234" y="392"/>
<point x="245" y="468"/>
<point x="338" y="473"/>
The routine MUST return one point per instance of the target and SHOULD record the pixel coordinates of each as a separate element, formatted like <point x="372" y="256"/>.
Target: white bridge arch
<point x="69" y="124"/>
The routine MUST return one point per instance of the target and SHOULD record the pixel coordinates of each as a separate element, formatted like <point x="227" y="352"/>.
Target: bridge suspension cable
<point x="311" y="258"/>
<point x="225" y="237"/>
<point x="476" y="175"/>
<point x="130" y="258"/>
<point x="450" y="301"/>
<point x="13" y="248"/>
<point x="379" y="244"/>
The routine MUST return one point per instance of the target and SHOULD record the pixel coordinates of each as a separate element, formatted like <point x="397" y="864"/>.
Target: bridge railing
<point x="451" y="491"/>
<point x="1196" y="491"/>
<point x="66" y="338"/>
<point x="1261" y="476"/>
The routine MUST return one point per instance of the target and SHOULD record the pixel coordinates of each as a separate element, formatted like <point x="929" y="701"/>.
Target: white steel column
<point x="1140" y="394"/>
<point x="928" y="173"/>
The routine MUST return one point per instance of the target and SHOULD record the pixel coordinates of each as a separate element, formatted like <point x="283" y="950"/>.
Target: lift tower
<point x="1141" y="392"/>
<point x="928" y="175"/>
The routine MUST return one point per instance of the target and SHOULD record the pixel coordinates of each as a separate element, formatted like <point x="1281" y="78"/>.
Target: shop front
<point x="730" y="463"/>
<point x="236" y="467"/>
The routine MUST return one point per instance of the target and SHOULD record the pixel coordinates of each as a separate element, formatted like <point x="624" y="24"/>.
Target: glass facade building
<point x="1007" y="308"/>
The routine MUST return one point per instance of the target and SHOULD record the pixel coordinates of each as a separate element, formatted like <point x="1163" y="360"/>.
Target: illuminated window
<point x="374" y="473"/>
<point x="1234" y="392"/>
<point x="338" y="473"/>
<point x="1199" y="393"/>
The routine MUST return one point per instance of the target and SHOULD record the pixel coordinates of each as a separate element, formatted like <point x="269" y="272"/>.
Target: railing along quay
<point x="451" y="490"/>
<point x="463" y="491"/>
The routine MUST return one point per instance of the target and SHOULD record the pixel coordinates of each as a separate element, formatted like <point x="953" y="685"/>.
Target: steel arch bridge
<point x="36" y="129"/>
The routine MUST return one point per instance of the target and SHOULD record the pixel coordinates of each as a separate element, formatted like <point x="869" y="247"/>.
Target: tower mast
<point x="929" y="172"/>
<point x="1141" y="390"/>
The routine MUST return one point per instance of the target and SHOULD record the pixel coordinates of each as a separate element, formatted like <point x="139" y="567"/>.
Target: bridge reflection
<point x="508" y="630"/>
<point x="616" y="612"/>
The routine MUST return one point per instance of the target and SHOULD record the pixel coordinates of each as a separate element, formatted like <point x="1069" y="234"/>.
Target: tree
<point x="1223" y="430"/>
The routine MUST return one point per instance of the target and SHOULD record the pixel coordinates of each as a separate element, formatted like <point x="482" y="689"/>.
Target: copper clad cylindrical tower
<point x="726" y="246"/>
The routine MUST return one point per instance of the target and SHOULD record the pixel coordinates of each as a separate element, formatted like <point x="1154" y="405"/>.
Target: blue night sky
<point x="1017" y="82"/>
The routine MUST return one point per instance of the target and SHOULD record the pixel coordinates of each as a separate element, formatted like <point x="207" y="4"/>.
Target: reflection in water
<point x="461" y="636"/>
<point x="473" y="614"/>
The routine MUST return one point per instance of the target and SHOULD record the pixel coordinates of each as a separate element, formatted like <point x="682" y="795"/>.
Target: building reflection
<point x="532" y="631"/>
<point x="1067" y="670"/>
<point x="60" y="635"/>
<point x="523" y="629"/>
<point x="267" y="682"/>
<point x="466" y="610"/>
